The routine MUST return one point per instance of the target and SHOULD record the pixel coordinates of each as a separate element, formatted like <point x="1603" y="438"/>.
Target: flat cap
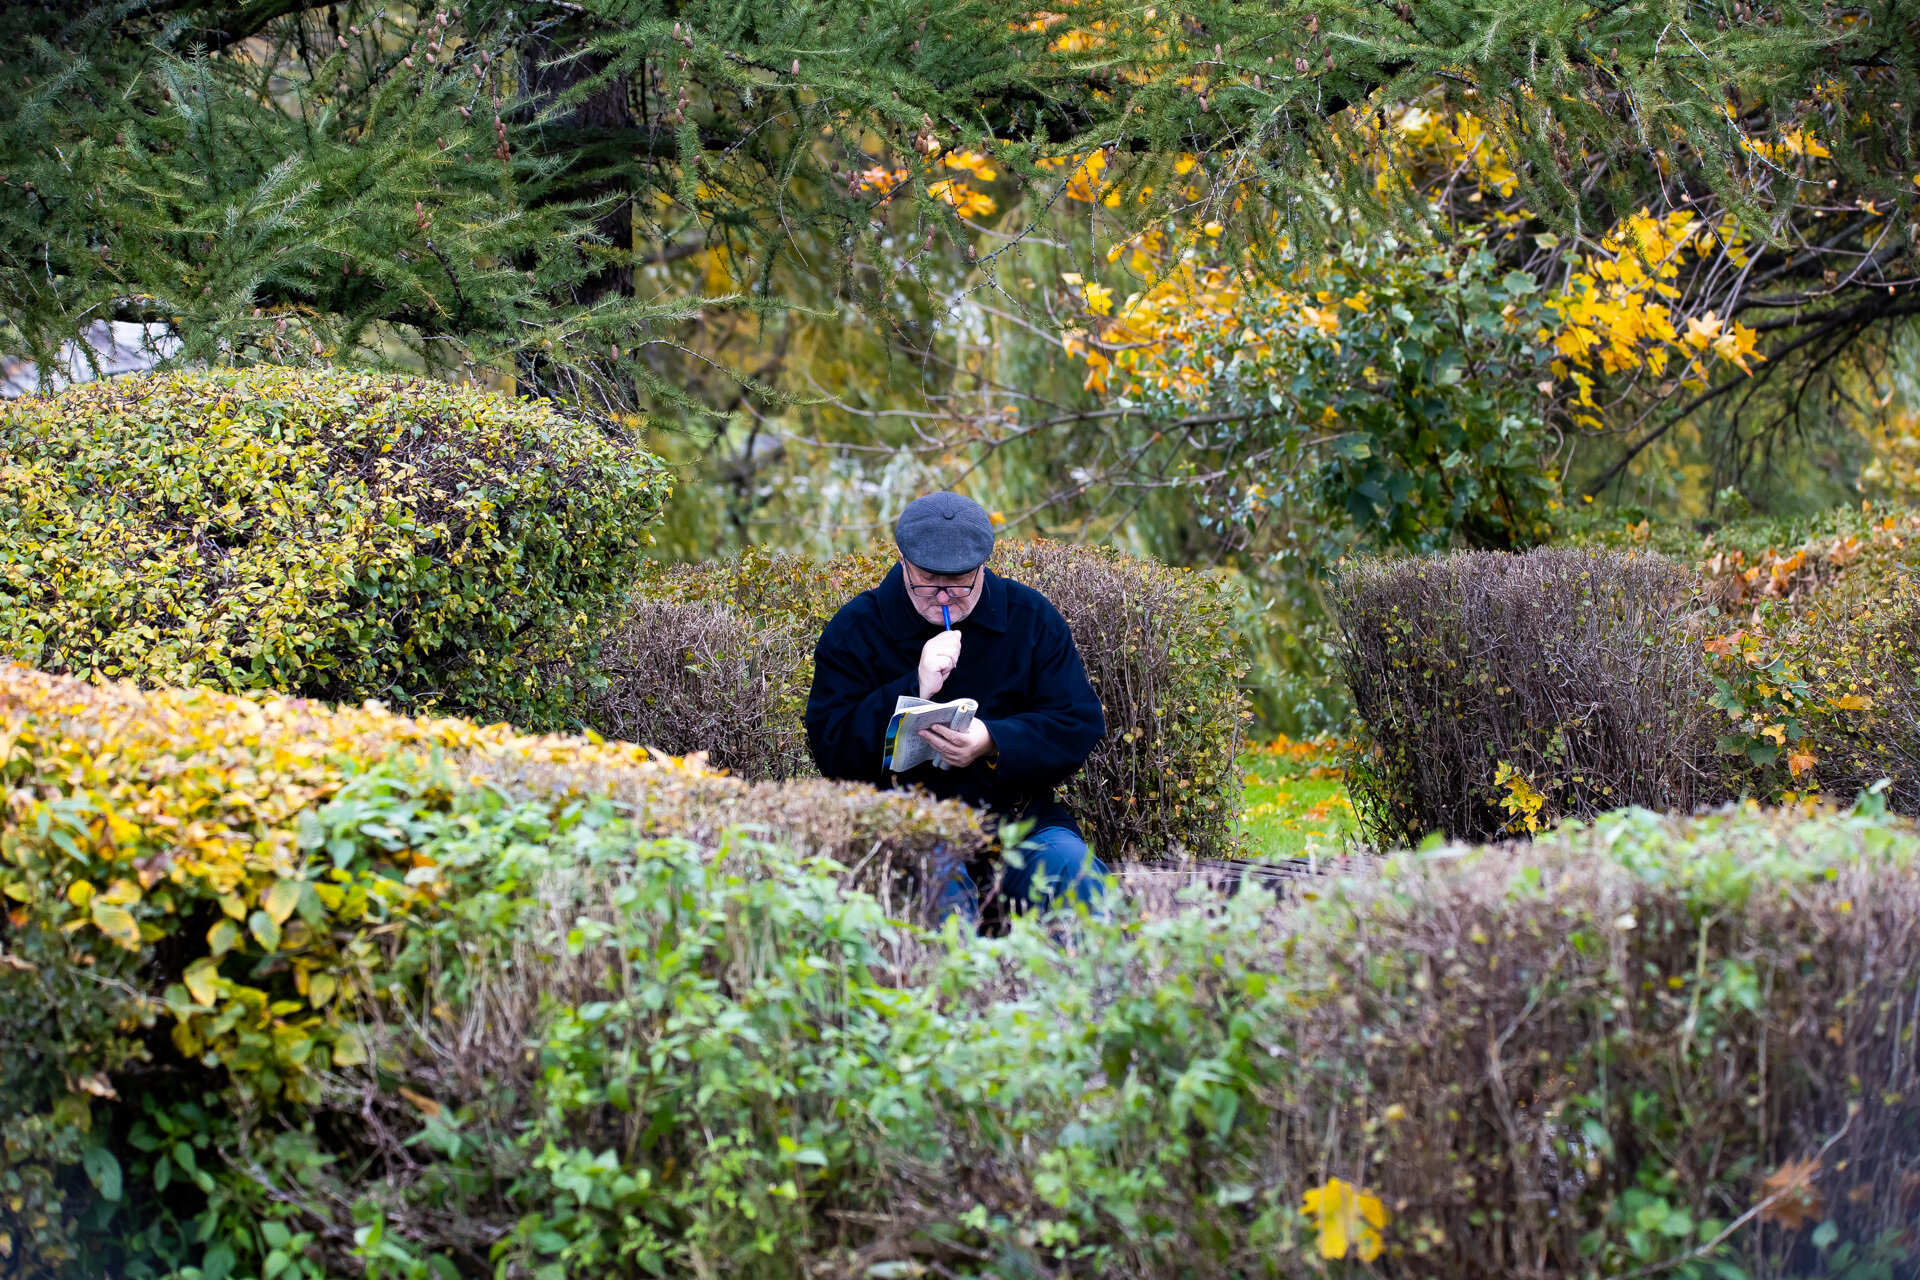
<point x="944" y="533"/>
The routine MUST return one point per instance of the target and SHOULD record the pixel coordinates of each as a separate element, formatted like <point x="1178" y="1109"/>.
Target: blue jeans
<point x="1042" y="870"/>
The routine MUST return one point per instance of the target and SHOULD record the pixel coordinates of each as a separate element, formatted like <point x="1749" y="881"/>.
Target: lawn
<point x="1296" y="799"/>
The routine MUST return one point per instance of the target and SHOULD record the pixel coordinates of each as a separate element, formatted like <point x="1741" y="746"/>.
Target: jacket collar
<point x="896" y="609"/>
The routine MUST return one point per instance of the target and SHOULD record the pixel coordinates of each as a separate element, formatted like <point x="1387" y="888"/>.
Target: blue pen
<point x="946" y="617"/>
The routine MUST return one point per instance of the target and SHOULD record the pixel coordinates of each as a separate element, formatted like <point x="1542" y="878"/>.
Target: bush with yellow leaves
<point x="1650" y="1044"/>
<point x="320" y="532"/>
<point x="203" y="890"/>
<point x="719" y="657"/>
<point x="1812" y="648"/>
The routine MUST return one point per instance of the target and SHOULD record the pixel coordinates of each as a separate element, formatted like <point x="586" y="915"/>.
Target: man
<point x="1010" y="651"/>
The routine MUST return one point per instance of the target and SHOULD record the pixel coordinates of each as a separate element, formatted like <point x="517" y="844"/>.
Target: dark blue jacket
<point x="1016" y="659"/>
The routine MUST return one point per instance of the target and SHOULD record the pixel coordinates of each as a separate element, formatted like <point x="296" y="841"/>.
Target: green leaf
<point x="265" y="930"/>
<point x="200" y="979"/>
<point x="103" y="1170"/>
<point x="117" y="923"/>
<point x="281" y="899"/>
<point x="1825" y="1234"/>
<point x="1519" y="283"/>
<point x="223" y="937"/>
<point x="349" y="1050"/>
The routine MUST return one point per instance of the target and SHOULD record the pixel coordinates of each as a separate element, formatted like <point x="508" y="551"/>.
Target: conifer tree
<point x="480" y="187"/>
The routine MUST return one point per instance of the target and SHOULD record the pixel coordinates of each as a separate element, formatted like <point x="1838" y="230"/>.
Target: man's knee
<point x="1056" y="863"/>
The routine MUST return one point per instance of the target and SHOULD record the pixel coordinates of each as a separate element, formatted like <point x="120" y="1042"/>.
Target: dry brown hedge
<point x="698" y="676"/>
<point x="718" y="657"/>
<point x="1579" y="670"/>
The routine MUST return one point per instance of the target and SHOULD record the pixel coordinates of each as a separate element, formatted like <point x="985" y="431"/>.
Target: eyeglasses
<point x="929" y="591"/>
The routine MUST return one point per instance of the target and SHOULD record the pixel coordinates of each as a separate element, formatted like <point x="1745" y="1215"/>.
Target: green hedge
<point x="700" y="643"/>
<point x="333" y="534"/>
<point x="1648" y="1045"/>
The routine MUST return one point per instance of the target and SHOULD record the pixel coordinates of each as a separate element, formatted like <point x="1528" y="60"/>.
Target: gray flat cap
<point x="944" y="533"/>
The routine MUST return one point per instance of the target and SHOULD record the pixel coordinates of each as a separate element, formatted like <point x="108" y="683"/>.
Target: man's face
<point x="959" y="592"/>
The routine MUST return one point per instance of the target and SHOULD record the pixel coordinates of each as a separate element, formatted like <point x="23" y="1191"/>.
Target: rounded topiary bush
<point x="333" y="534"/>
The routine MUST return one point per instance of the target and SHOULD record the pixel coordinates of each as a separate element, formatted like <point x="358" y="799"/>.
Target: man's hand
<point x="937" y="661"/>
<point x="959" y="749"/>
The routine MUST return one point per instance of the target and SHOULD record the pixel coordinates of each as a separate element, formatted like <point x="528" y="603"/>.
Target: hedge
<point x="1773" y="659"/>
<point x="203" y="889"/>
<point x="717" y="657"/>
<point x="1816" y="661"/>
<point x="319" y="532"/>
<point x="1500" y="693"/>
<point x="1658" y="1045"/>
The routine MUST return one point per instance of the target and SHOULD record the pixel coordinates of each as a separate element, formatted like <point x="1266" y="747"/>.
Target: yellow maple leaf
<point x="1702" y="330"/>
<point x="1798" y="762"/>
<point x="973" y="162"/>
<point x="1347" y="1218"/>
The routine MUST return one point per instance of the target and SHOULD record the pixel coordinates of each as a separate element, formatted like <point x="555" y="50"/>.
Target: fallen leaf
<point x="1348" y="1218"/>
<point x="1798" y="762"/>
<point x="427" y="1106"/>
<point x="15" y="962"/>
<point x="1789" y="1196"/>
<point x="96" y="1084"/>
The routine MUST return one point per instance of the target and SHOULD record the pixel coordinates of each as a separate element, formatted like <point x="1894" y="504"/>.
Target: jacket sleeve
<point x="847" y="713"/>
<point x="1043" y="746"/>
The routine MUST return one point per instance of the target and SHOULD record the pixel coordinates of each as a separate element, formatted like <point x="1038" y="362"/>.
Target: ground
<point x="1296" y="799"/>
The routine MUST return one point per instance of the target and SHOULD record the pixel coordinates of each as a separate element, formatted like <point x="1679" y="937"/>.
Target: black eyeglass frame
<point x="928" y="591"/>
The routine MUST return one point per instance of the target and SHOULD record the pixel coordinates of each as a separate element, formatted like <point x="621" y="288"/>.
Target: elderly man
<point x="1010" y="651"/>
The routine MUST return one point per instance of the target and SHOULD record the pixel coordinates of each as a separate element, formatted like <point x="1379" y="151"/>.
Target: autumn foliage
<point x="556" y="1040"/>
<point x="219" y="877"/>
<point x="324" y="533"/>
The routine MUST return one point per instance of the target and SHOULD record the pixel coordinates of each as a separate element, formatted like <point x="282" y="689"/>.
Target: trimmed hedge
<point x="1785" y="662"/>
<point x="204" y="889"/>
<point x="1652" y="1044"/>
<point x="319" y="532"/>
<point x="1813" y="647"/>
<point x="1500" y="692"/>
<point x="1159" y="645"/>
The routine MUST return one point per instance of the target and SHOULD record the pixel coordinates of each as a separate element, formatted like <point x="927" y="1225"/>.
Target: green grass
<point x="1296" y="800"/>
